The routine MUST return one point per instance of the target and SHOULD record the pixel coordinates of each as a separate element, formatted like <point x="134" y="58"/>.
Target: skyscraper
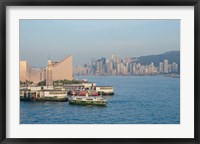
<point x="161" y="67"/>
<point x="165" y="62"/>
<point x="116" y="59"/>
<point x="103" y="61"/>
<point x="110" y="67"/>
<point x="174" y="67"/>
<point x="92" y="61"/>
<point x="169" y="68"/>
<point x="99" y="66"/>
<point x="118" y="68"/>
<point x="130" y="68"/>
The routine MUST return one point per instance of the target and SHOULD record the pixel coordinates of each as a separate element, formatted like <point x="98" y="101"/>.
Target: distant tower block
<point x="161" y="67"/>
<point x="24" y="71"/>
<point x="28" y="73"/>
<point x="165" y="62"/>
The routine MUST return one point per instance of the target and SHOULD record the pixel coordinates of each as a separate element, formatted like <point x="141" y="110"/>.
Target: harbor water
<point x="137" y="100"/>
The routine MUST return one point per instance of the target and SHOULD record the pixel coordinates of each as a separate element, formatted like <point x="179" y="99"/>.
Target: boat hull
<point x="76" y="102"/>
<point x="87" y="100"/>
<point x="106" y="93"/>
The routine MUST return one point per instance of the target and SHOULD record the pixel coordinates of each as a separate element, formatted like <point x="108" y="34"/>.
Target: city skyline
<point x="44" y="39"/>
<point x="128" y="66"/>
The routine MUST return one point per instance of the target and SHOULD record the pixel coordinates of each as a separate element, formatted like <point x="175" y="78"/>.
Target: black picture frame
<point x="5" y="3"/>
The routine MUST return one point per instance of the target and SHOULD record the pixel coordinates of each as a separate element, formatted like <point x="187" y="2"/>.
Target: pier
<point x="62" y="92"/>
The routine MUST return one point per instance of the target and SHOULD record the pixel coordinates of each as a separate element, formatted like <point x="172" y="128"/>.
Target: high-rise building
<point x="130" y="68"/>
<point x="92" y="61"/>
<point x="110" y="67"/>
<point x="24" y="71"/>
<point x="161" y="67"/>
<point x="174" y="67"/>
<point x="169" y="68"/>
<point x="27" y="73"/>
<point x="141" y="70"/>
<point x="116" y="59"/>
<point x="128" y="59"/>
<point x="99" y="66"/>
<point x="134" y="68"/>
<point x="118" y="68"/>
<point x="122" y="68"/>
<point x="103" y="61"/>
<point x="165" y="65"/>
<point x="125" y="69"/>
<point x="37" y="75"/>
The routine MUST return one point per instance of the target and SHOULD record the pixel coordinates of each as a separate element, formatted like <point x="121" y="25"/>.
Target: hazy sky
<point x="85" y="39"/>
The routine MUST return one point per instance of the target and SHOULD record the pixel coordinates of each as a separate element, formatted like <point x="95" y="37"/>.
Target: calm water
<point x="137" y="100"/>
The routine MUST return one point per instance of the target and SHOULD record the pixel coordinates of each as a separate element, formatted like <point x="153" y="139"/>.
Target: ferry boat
<point x="84" y="92"/>
<point x="105" y="90"/>
<point x="87" y="100"/>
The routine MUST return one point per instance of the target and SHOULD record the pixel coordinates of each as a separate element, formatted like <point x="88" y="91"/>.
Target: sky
<point x="41" y="40"/>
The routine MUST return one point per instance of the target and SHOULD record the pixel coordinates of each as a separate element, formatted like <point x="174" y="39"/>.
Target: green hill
<point x="171" y="56"/>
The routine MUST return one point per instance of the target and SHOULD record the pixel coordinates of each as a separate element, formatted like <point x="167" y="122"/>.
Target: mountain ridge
<point x="171" y="56"/>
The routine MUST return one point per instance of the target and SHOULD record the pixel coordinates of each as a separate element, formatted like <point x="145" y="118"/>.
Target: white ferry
<point x="87" y="100"/>
<point x="105" y="90"/>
